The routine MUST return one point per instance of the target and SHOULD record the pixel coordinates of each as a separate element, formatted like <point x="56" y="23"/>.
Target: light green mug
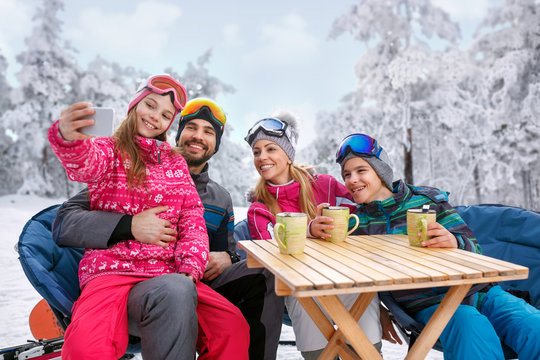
<point x="290" y="232"/>
<point x="417" y="222"/>
<point x="341" y="217"/>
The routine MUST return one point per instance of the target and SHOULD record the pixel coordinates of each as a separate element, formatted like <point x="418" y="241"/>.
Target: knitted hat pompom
<point x="288" y="141"/>
<point x="292" y="122"/>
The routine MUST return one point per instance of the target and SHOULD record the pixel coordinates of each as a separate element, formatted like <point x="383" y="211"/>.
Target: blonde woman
<point x="286" y="186"/>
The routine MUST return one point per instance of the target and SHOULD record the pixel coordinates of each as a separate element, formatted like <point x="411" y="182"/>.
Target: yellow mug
<point x="341" y="217"/>
<point x="290" y="232"/>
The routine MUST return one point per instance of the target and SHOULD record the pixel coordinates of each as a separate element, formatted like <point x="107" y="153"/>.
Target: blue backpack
<point x="511" y="234"/>
<point x="51" y="269"/>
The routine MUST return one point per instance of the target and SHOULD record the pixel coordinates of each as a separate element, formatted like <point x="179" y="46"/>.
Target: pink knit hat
<point x="161" y="84"/>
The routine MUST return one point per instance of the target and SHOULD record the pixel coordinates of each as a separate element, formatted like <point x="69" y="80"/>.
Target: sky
<point x="276" y="54"/>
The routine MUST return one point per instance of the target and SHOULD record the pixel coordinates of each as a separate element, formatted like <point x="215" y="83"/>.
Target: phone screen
<point x="103" y="125"/>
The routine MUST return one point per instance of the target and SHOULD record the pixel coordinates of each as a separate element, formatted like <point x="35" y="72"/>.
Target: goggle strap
<point x="193" y="115"/>
<point x="160" y="91"/>
<point x="272" y="132"/>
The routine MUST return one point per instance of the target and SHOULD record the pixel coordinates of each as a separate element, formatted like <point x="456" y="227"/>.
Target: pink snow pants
<point x="99" y="325"/>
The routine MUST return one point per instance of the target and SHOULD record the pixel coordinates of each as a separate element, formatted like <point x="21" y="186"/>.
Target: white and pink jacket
<point x="96" y="163"/>
<point x="326" y="189"/>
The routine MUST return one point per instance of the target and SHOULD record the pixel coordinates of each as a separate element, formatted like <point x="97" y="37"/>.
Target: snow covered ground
<point x="18" y="297"/>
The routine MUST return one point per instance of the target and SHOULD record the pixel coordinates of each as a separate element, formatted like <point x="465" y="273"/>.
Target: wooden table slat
<point x="358" y="278"/>
<point x="494" y="265"/>
<point x="415" y="276"/>
<point x="390" y="254"/>
<point x="513" y="268"/>
<point x="501" y="266"/>
<point x="334" y="274"/>
<point x="355" y="259"/>
<point x="426" y="259"/>
<point x="460" y="258"/>
<point x="451" y="255"/>
<point x="319" y="281"/>
<point x="291" y="277"/>
<point x="367" y="275"/>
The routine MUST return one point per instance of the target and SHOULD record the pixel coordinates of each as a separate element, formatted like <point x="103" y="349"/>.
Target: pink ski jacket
<point x="96" y="163"/>
<point x="326" y="189"/>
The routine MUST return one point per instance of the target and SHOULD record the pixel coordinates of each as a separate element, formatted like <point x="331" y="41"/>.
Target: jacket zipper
<point x="387" y="216"/>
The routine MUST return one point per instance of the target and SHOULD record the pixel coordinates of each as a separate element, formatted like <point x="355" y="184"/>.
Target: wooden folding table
<point x="366" y="265"/>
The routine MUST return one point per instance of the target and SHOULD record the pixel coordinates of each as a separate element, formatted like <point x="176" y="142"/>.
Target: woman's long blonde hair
<point x="300" y="174"/>
<point x="124" y="138"/>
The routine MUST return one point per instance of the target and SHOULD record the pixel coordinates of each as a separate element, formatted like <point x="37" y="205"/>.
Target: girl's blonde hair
<point x="300" y="174"/>
<point x="124" y="138"/>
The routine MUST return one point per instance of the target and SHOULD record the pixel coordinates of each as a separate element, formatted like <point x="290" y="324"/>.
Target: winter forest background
<point x="463" y="120"/>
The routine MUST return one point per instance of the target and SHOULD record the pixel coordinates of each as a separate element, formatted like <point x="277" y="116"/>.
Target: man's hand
<point x="72" y="120"/>
<point x="148" y="228"/>
<point x="388" y="331"/>
<point x="218" y="261"/>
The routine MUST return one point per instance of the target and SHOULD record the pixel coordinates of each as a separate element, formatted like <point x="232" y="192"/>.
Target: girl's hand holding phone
<point x="81" y="121"/>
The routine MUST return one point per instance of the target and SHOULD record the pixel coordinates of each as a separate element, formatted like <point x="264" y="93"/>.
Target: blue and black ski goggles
<point x="270" y="126"/>
<point x="358" y="144"/>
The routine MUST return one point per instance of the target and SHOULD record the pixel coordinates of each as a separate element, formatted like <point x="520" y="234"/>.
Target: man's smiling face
<point x="197" y="142"/>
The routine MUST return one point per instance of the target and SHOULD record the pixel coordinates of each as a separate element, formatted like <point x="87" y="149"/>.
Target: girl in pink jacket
<point x="134" y="170"/>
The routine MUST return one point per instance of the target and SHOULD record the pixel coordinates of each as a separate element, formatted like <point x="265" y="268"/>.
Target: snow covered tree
<point x="232" y="168"/>
<point x="333" y="126"/>
<point x="5" y="88"/>
<point x="396" y="79"/>
<point x="108" y="84"/>
<point x="507" y="49"/>
<point x="198" y="82"/>
<point x="470" y="118"/>
<point x="228" y="167"/>
<point x="10" y="176"/>
<point x="47" y="76"/>
<point x="395" y="69"/>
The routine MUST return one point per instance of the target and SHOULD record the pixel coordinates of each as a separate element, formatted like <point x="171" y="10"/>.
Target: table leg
<point x="336" y="343"/>
<point x="348" y="325"/>
<point x="338" y="339"/>
<point x="438" y="321"/>
<point x="317" y="315"/>
<point x="342" y="349"/>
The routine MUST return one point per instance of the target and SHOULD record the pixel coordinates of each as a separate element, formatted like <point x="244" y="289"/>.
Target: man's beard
<point x="192" y="161"/>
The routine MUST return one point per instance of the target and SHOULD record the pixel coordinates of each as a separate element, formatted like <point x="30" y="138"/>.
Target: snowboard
<point x="43" y="322"/>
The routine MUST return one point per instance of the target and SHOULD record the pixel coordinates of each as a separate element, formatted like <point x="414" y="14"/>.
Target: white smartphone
<point x="103" y="125"/>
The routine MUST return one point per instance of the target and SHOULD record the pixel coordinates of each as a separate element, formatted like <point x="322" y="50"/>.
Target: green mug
<point x="417" y="222"/>
<point x="290" y="232"/>
<point x="341" y="217"/>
